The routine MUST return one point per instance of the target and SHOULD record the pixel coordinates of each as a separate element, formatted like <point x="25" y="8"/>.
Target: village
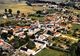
<point x="54" y="27"/>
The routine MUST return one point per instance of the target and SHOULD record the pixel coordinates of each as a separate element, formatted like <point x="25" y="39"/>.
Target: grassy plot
<point x="37" y="18"/>
<point x="76" y="26"/>
<point x="50" y="52"/>
<point x="76" y="11"/>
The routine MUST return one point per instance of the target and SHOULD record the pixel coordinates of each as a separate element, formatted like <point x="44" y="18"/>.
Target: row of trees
<point x="17" y="42"/>
<point x="9" y="12"/>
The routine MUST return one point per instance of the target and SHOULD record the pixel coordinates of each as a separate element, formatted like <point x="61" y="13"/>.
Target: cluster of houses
<point x="5" y="48"/>
<point x="41" y="33"/>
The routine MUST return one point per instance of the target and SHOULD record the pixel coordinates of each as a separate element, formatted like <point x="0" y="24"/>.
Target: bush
<point x="39" y="12"/>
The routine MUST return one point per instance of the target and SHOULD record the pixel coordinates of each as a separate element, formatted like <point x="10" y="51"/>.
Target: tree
<point x="10" y="31"/>
<point x="1" y="50"/>
<point x="18" y="12"/>
<point x="22" y="41"/>
<point x="27" y="36"/>
<point x="78" y="49"/>
<point x="4" y="36"/>
<point x="73" y="49"/>
<point x="38" y="12"/>
<point x="49" y="32"/>
<point x="5" y="13"/>
<point x="74" y="32"/>
<point x="5" y="10"/>
<point x="30" y="45"/>
<point x="15" y="43"/>
<point x="10" y="11"/>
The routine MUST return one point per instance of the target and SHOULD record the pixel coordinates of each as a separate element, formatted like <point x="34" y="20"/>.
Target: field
<point x="76" y="26"/>
<point x="24" y="8"/>
<point x="50" y="52"/>
<point x="76" y="11"/>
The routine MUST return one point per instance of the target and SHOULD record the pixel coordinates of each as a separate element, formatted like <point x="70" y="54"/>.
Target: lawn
<point x="76" y="26"/>
<point x="37" y="18"/>
<point x="76" y="11"/>
<point x="50" y="52"/>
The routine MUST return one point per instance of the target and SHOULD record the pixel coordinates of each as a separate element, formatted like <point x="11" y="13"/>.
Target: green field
<point x="50" y="52"/>
<point x="76" y="26"/>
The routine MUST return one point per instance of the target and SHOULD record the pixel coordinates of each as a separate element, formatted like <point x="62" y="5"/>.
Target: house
<point x="57" y="34"/>
<point x="74" y="19"/>
<point x="1" y="42"/>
